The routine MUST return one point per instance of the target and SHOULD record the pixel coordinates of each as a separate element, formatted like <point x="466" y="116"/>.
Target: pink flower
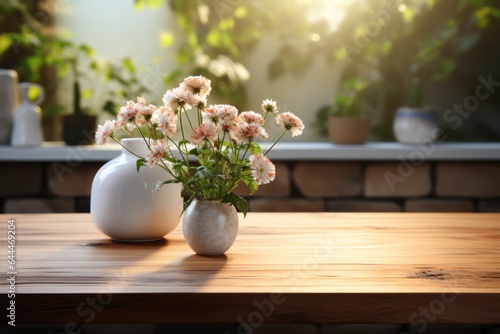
<point x="144" y="113"/>
<point x="180" y="97"/>
<point x="135" y="113"/>
<point x="224" y="116"/>
<point x="290" y="122"/>
<point x="201" y="102"/>
<point x="157" y="152"/>
<point x="169" y="100"/>
<point x="127" y="114"/>
<point x="104" y="131"/>
<point x="263" y="170"/>
<point x="251" y="117"/>
<point x="269" y="106"/>
<point x="209" y="115"/>
<point x="246" y="132"/>
<point x="166" y="121"/>
<point x="198" y="85"/>
<point x="206" y="131"/>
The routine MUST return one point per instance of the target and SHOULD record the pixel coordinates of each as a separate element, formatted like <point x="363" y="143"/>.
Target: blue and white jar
<point x="415" y="126"/>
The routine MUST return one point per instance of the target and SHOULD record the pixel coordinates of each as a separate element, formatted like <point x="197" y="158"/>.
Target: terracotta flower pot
<point x="348" y="130"/>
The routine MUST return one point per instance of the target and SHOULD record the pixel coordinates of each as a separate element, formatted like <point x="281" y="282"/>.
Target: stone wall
<point x="434" y="186"/>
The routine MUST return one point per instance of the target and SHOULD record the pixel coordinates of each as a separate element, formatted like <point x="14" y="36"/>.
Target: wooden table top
<point x="283" y="268"/>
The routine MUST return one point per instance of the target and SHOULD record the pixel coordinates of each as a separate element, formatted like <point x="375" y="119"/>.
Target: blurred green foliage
<point x="30" y="47"/>
<point x="408" y="45"/>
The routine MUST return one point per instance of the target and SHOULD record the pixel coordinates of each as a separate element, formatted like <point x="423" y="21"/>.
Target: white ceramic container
<point x="210" y="226"/>
<point x="124" y="203"/>
<point x="415" y="126"/>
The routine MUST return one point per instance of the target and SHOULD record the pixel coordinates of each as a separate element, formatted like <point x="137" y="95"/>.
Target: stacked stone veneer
<point x="434" y="186"/>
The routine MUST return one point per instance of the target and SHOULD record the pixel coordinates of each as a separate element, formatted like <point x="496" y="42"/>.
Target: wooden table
<point x="283" y="268"/>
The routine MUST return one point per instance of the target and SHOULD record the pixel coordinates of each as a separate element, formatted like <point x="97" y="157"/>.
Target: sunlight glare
<point x="331" y="11"/>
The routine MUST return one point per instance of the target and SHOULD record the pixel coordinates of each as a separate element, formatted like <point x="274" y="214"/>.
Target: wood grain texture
<point x="283" y="267"/>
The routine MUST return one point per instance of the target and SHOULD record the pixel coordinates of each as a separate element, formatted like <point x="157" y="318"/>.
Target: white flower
<point x="269" y="106"/>
<point x="169" y="100"/>
<point x="166" y="121"/>
<point x="104" y="131"/>
<point x="263" y="170"/>
<point x="198" y="85"/>
<point x="127" y="114"/>
<point x="157" y="152"/>
<point x="144" y="113"/>
<point x="246" y="132"/>
<point x="290" y="122"/>
<point x="180" y="97"/>
<point x="251" y="117"/>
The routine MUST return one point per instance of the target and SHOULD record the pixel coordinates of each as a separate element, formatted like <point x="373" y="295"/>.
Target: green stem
<point x="143" y="137"/>
<point x="265" y="116"/>
<point x="186" y="160"/>
<point x="277" y="140"/>
<point x="189" y="120"/>
<point x="152" y="130"/>
<point x="182" y="126"/>
<point x="126" y="147"/>
<point x="246" y="151"/>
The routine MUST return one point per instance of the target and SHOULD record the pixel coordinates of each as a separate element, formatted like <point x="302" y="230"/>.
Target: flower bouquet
<point x="217" y="148"/>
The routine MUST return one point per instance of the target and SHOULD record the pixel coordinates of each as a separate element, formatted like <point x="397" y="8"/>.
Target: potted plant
<point x="79" y="127"/>
<point x="219" y="138"/>
<point x="347" y="124"/>
<point x="415" y="122"/>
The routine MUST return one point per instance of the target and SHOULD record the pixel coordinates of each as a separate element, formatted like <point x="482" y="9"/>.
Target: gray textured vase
<point x="9" y="98"/>
<point x="210" y="227"/>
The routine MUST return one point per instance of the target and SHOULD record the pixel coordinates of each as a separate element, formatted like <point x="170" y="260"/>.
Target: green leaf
<point x="166" y="39"/>
<point x="161" y="184"/>
<point x="254" y="148"/>
<point x="86" y="93"/>
<point x="109" y="107"/>
<point x="341" y="53"/>
<point x="445" y="68"/>
<point x="139" y="163"/>
<point x="213" y="38"/>
<point x="87" y="49"/>
<point x="238" y="202"/>
<point x="430" y="3"/>
<point x="129" y="65"/>
<point x="241" y="12"/>
<point x="33" y="93"/>
<point x="94" y="66"/>
<point x="195" y="151"/>
<point x="172" y="77"/>
<point x="251" y="184"/>
<point x="186" y="204"/>
<point x="153" y="4"/>
<point x="5" y="42"/>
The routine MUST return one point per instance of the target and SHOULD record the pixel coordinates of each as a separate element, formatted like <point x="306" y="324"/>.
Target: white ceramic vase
<point x="210" y="226"/>
<point x="415" y="126"/>
<point x="124" y="203"/>
<point x="27" y="129"/>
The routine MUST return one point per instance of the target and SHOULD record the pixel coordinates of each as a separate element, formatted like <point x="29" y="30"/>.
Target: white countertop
<point x="284" y="151"/>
